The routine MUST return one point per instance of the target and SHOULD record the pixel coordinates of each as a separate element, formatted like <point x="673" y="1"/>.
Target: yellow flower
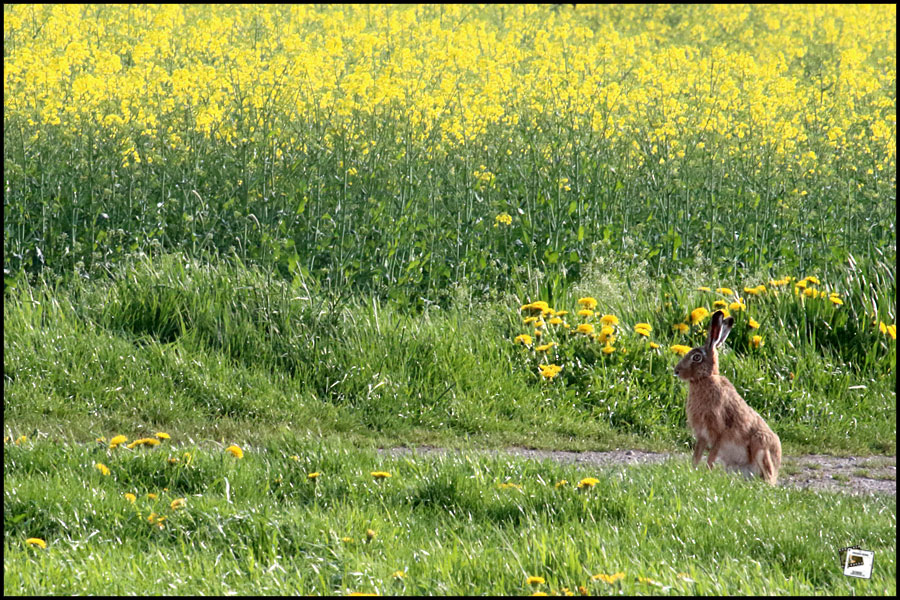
<point x="608" y="578"/>
<point x="528" y="320"/>
<point x="644" y="326"/>
<point x="36" y="542"/>
<point x="346" y="540"/>
<point x="892" y="331"/>
<point x="584" y="312"/>
<point x="503" y="218"/>
<point x="101" y="440"/>
<point x="235" y="451"/>
<point x="545" y="347"/>
<point x="814" y="280"/>
<point x="506" y="486"/>
<point x="835" y="300"/>
<point x="561" y="483"/>
<point x="698" y="314"/>
<point x="654" y="345"/>
<point x="720" y="304"/>
<point x="177" y="503"/>
<point x="152" y="496"/>
<point x="523" y="339"/>
<point x="588" y="302"/>
<point x="102" y="468"/>
<point x="313" y="476"/>
<point x="21" y="440"/>
<point x="756" y="341"/>
<point x="370" y="534"/>
<point x="173" y="460"/>
<point x="641" y="330"/>
<point x="151" y="442"/>
<point x="536" y="307"/>
<point x="681" y="327"/>
<point x="607" y="349"/>
<point x="535" y="580"/>
<point x="294" y="457"/>
<point x="609" y="320"/>
<point x="811" y="293"/>
<point x="549" y="371"/>
<point x="130" y="497"/>
<point x="703" y="288"/>
<point x="588" y="482"/>
<point x="398" y="575"/>
<point x="751" y="290"/>
<point x="680" y="349"/>
<point x="753" y="324"/>
<point x="539" y="594"/>
<point x="725" y="290"/>
<point x="555" y="321"/>
<point x="585" y="328"/>
<point x="162" y="436"/>
<point x="648" y="580"/>
<point x="380" y="474"/>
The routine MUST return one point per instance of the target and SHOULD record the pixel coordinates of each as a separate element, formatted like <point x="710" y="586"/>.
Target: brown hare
<point x="720" y="419"/>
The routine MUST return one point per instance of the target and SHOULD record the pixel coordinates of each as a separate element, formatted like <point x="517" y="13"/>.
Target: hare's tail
<point x="766" y="466"/>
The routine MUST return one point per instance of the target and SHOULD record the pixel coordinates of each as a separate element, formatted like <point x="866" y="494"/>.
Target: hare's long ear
<point x="727" y="324"/>
<point x="715" y="330"/>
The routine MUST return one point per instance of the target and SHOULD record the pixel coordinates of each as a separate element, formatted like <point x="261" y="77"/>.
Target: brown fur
<point x="720" y="419"/>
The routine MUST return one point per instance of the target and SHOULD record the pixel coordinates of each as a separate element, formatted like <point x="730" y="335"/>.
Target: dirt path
<point x="820" y="472"/>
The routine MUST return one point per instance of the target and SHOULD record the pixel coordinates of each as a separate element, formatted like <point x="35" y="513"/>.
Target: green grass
<point x="257" y="525"/>
<point x="221" y="349"/>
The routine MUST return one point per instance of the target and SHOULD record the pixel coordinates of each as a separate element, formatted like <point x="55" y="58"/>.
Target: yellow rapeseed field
<point x="669" y="80"/>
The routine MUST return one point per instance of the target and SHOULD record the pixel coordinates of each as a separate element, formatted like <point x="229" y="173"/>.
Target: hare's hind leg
<point x="763" y="462"/>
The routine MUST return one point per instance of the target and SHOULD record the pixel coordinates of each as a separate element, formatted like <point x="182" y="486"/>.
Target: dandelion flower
<point x="680" y="349"/>
<point x="21" y="440"/>
<point x="398" y="574"/>
<point x="539" y="594"/>
<point x="648" y="581"/>
<point x="535" y="580"/>
<point x="503" y="218"/>
<point x="720" y="304"/>
<point x="814" y="280"/>
<point x="654" y="345"/>
<point x="561" y="483"/>
<point x="703" y="288"/>
<point x="102" y="468"/>
<point x="640" y="330"/>
<point x="152" y="496"/>
<point x="555" y="321"/>
<point x="130" y="497"/>
<point x="609" y="320"/>
<point x="235" y="451"/>
<point x="585" y="312"/>
<point x="836" y="300"/>
<point x="523" y="339"/>
<point x="724" y="290"/>
<point x="607" y="349"/>
<point x="585" y="328"/>
<point x="313" y="476"/>
<point x="36" y="542"/>
<point x="588" y="482"/>
<point x="698" y="314"/>
<point x="753" y="324"/>
<point x="370" y="534"/>
<point x="549" y="371"/>
<point x="644" y="326"/>
<point x="163" y="436"/>
<point x="507" y="485"/>
<point x="756" y="341"/>
<point x="177" y="503"/>
<point x="295" y="457"/>
<point x="101" y="440"/>
<point x="681" y="327"/>
<point x="608" y="578"/>
<point x="545" y="347"/>
<point x="380" y="474"/>
<point x="346" y="540"/>
<point x="588" y="302"/>
<point x="173" y="460"/>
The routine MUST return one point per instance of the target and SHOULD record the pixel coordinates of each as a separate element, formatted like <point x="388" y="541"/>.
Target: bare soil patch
<point x="819" y="472"/>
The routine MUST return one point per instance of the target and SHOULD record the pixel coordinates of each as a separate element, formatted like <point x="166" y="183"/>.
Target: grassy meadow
<point x="314" y="231"/>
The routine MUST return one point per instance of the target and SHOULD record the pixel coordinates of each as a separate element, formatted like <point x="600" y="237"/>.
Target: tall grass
<point x="178" y="342"/>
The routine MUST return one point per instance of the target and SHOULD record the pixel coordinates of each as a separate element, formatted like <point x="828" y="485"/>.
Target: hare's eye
<point x="696" y="358"/>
